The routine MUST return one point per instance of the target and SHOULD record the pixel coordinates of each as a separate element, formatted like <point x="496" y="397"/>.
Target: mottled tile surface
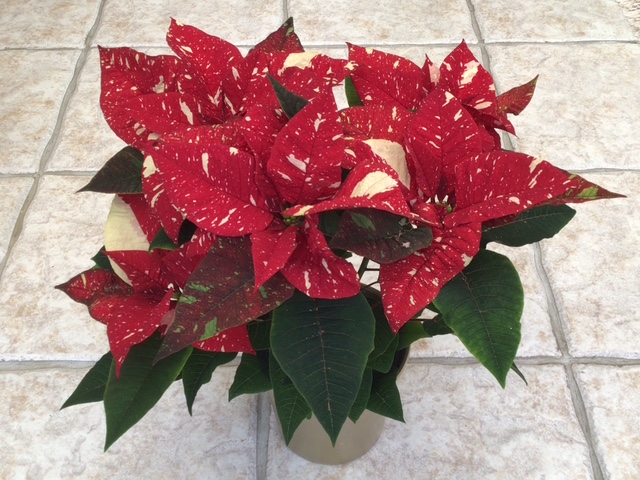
<point x="402" y="21"/>
<point x="582" y="114"/>
<point x="145" y="23"/>
<point x="37" y="321"/>
<point x="549" y="20"/>
<point x="50" y="24"/>
<point x="41" y="442"/>
<point x="597" y="282"/>
<point x="30" y="103"/>
<point x="612" y="399"/>
<point x="461" y="424"/>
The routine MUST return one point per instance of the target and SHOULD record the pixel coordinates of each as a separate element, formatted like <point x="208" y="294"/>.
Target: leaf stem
<point x="363" y="266"/>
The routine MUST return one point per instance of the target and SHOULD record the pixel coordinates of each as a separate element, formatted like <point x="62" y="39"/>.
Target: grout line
<point x="53" y="141"/>
<point x="574" y="389"/>
<point x="263" y="413"/>
<point x="285" y="10"/>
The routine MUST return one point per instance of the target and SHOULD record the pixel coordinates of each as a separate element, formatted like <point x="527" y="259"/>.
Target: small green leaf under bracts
<point x="353" y="99"/>
<point x="141" y="384"/>
<point x="252" y="375"/>
<point x="121" y="174"/>
<point x="289" y="101"/>
<point x="198" y="371"/>
<point x="91" y="388"/>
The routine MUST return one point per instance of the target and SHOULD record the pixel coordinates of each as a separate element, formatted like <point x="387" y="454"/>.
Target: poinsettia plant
<point x="252" y="215"/>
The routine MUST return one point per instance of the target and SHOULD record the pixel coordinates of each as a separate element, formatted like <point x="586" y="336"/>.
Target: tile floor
<point x="579" y="417"/>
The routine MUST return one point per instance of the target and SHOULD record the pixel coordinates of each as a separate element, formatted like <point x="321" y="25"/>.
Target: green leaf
<point x="252" y="375"/>
<point x="515" y="368"/>
<point x="436" y="326"/>
<point x="385" y="398"/>
<point x="483" y="306"/>
<point x="360" y="405"/>
<point x="101" y="260"/>
<point x="382" y="363"/>
<point x="121" y="174"/>
<point x="378" y="235"/>
<point x="162" y="241"/>
<point x="259" y="331"/>
<point x="289" y="101"/>
<point x="384" y="336"/>
<point x="412" y="331"/>
<point x="353" y="99"/>
<point x="91" y="388"/>
<point x="198" y="371"/>
<point x="323" y="346"/>
<point x="529" y="227"/>
<point x="141" y="384"/>
<point x="291" y="406"/>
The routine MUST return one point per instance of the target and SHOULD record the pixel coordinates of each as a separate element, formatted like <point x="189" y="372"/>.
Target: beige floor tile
<point x="612" y="399"/>
<point x="41" y="442"/>
<point x="549" y="20"/>
<point x="582" y="114"/>
<point x="594" y="267"/>
<point x="13" y="192"/>
<point x="461" y="425"/>
<point x="62" y="231"/>
<point x="537" y="337"/>
<point x="402" y="21"/>
<point x="146" y="22"/>
<point x="30" y="103"/>
<point x="50" y="24"/>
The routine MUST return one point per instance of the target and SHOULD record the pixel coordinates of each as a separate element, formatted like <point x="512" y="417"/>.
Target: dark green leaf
<point x="252" y="375"/>
<point x="292" y="408"/>
<point x="382" y="363"/>
<point x="187" y="229"/>
<point x="91" y="387"/>
<point x="121" y="174"/>
<point x="483" y="306"/>
<point x="385" y="397"/>
<point x="102" y="261"/>
<point x="515" y="368"/>
<point x="259" y="331"/>
<point x="198" y="371"/>
<point x="436" y="326"/>
<point x="289" y="101"/>
<point x="529" y="227"/>
<point x="162" y="241"/>
<point x="323" y="346"/>
<point x="141" y="384"/>
<point x="352" y="95"/>
<point x="360" y="405"/>
<point x="384" y="335"/>
<point x="378" y="235"/>
<point x="412" y="331"/>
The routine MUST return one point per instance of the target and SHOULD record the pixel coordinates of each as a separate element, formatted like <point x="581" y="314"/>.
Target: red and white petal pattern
<point x="214" y="186"/>
<point x="387" y="122"/>
<point x="158" y="200"/>
<point x="316" y="271"/>
<point x="307" y="74"/>
<point x="282" y="40"/>
<point x="146" y="217"/>
<point x="90" y="285"/>
<point x="462" y="75"/>
<point x="234" y="339"/>
<point x="271" y="250"/>
<point x="386" y="79"/>
<point x="305" y="162"/>
<point x="498" y="184"/>
<point x="246" y="85"/>
<point x="410" y="284"/>
<point x="130" y="321"/>
<point x="209" y="57"/>
<point x="143" y="269"/>
<point x="441" y="135"/>
<point x="371" y="184"/>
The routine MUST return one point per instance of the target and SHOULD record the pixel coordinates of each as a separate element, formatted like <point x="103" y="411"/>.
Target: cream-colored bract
<point x="122" y="232"/>
<point x="393" y="154"/>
